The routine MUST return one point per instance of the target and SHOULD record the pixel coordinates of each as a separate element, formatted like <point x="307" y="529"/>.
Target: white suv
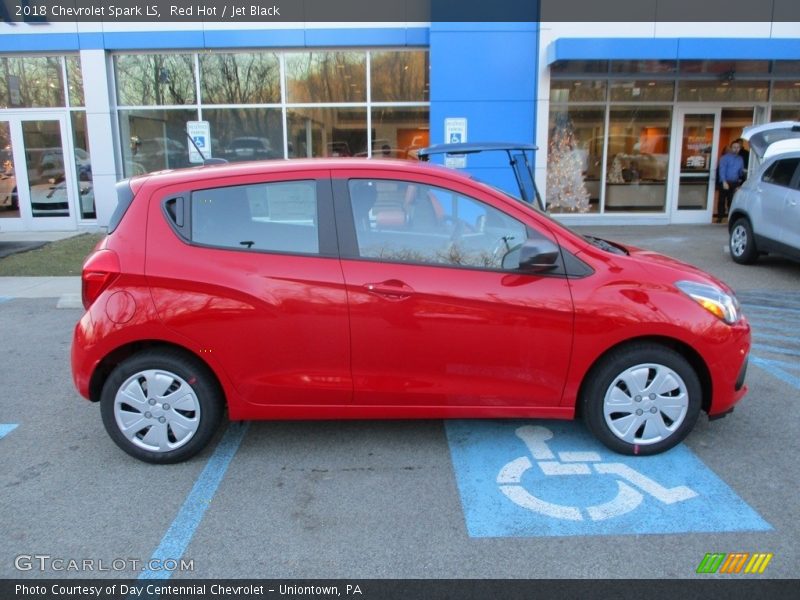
<point x="765" y="213"/>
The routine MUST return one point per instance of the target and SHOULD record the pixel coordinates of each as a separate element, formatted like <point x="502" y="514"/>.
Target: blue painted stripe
<point x="179" y="534"/>
<point x="788" y="337"/>
<point x="779" y="309"/>
<point x="44" y="42"/>
<point x="124" y="40"/>
<point x="5" y="429"/>
<point x="264" y="38"/>
<point x="5" y="299"/>
<point x="775" y="368"/>
<point x="777" y="350"/>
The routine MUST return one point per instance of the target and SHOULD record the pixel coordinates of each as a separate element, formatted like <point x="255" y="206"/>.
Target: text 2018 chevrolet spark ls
<point x="351" y="289"/>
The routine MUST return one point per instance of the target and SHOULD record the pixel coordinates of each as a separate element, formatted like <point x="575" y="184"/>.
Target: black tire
<point x="131" y="395"/>
<point x="668" y="391"/>
<point x="741" y="242"/>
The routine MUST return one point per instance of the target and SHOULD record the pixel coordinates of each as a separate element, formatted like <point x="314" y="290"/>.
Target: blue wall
<point x="487" y="73"/>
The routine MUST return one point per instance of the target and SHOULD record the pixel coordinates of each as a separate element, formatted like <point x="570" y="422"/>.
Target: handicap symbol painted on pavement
<point x="553" y="479"/>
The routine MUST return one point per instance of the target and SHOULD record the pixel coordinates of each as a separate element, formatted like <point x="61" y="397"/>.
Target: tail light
<point x="99" y="271"/>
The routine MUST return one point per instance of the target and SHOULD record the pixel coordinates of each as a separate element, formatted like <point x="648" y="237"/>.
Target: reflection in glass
<point x="642" y="91"/>
<point x="575" y="149"/>
<point x="786" y="91"/>
<point x="637" y="159"/>
<point x="580" y="66"/>
<point x="786" y="113"/>
<point x="695" y="165"/>
<point x="400" y="76"/>
<point x="326" y="131"/>
<point x="46" y="172"/>
<point x="252" y="78"/>
<point x="83" y="165"/>
<point x="154" y="79"/>
<point x="577" y="91"/>
<point x="245" y="133"/>
<point x="75" y="81"/>
<point x="154" y="139"/>
<point x="31" y="82"/>
<point x="326" y="77"/>
<point x="399" y="132"/>
<point x="9" y="200"/>
<point x="721" y="67"/>
<point x="643" y="66"/>
<point x="723" y="91"/>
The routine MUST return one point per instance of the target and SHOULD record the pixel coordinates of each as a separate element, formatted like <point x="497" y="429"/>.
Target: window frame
<point x="792" y="181"/>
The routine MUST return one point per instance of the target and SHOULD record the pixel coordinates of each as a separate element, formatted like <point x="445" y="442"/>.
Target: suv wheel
<point x="642" y="399"/>
<point x="742" y="243"/>
<point x="160" y="406"/>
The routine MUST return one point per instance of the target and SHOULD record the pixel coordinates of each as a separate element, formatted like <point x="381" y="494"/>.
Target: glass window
<point x="154" y="139"/>
<point x="245" y="133"/>
<point x="577" y="91"/>
<point x="580" y="66"/>
<point x="644" y="66"/>
<point x="75" y="81"/>
<point x="252" y="78"/>
<point x="409" y="222"/>
<point x="786" y="91"/>
<point x="9" y="200"/>
<point x="266" y="217"/>
<point x="400" y="76"/>
<point x="31" y="82"/>
<point x="721" y="67"/>
<point x="575" y="158"/>
<point x="781" y="172"/>
<point x="326" y="131"/>
<point x="155" y="79"/>
<point x="83" y="165"/>
<point x="44" y="153"/>
<point x="786" y="67"/>
<point x="399" y="132"/>
<point x="642" y="91"/>
<point x="637" y="159"/>
<point x="321" y="77"/>
<point x="785" y="113"/>
<point x="723" y="91"/>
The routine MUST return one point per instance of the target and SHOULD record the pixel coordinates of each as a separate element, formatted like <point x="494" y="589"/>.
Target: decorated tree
<point x="566" y="191"/>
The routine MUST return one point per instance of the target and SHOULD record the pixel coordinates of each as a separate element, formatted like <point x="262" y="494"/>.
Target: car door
<point x="436" y="319"/>
<point x="246" y="270"/>
<point x="774" y="191"/>
<point x="791" y="217"/>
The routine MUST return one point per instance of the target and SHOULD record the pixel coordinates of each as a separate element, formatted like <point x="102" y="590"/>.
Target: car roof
<point x="209" y="172"/>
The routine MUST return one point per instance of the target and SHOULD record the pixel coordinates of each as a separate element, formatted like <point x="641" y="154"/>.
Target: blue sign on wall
<point x="552" y="478"/>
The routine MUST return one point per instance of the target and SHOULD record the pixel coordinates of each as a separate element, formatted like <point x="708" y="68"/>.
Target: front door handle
<point x="391" y="289"/>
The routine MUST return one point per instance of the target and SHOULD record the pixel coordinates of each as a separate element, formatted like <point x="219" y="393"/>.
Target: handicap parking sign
<point x="551" y="478"/>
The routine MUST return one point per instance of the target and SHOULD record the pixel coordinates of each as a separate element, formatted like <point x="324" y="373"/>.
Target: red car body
<point x="337" y="336"/>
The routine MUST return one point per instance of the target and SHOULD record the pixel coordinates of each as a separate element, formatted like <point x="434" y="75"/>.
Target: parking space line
<point x="776" y="369"/>
<point x="180" y="532"/>
<point x="5" y="429"/>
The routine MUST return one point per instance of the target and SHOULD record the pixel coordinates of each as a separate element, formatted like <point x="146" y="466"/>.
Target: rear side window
<point x="266" y="217"/>
<point x="781" y="172"/>
<point x="124" y="201"/>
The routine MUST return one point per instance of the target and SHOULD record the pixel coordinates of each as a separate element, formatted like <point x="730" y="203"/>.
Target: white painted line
<point x="69" y="301"/>
<point x="522" y="497"/>
<point x="625" y="501"/>
<point x="535" y="437"/>
<point x="666" y="495"/>
<point x="512" y="472"/>
<point x="556" y="468"/>
<point x="579" y="456"/>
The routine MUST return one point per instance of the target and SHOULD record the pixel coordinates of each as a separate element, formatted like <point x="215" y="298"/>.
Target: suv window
<point x="415" y="223"/>
<point x="268" y="217"/>
<point x="781" y="172"/>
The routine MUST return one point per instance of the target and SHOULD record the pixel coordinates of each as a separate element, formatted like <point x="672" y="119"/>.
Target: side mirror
<point x="538" y="255"/>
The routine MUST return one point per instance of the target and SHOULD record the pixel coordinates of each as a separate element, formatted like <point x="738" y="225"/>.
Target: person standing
<point x="729" y="173"/>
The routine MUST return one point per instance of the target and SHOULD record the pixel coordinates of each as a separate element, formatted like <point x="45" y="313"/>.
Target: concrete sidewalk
<point x="66" y="289"/>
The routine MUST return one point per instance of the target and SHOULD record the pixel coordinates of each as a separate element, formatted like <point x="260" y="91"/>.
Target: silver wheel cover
<point x="157" y="410"/>
<point x="738" y="240"/>
<point x="646" y="404"/>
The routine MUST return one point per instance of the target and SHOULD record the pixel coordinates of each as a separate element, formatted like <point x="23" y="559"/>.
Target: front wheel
<point x="643" y="399"/>
<point x="161" y="406"/>
<point x="742" y="243"/>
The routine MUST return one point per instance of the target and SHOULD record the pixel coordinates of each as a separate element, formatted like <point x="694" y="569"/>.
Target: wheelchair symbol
<point x="576" y="463"/>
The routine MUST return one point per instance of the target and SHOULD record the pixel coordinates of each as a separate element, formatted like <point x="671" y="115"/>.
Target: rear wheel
<point x="161" y="406"/>
<point x="642" y="399"/>
<point x="742" y="243"/>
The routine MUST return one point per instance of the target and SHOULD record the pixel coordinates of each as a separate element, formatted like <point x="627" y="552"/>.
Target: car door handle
<point x="391" y="289"/>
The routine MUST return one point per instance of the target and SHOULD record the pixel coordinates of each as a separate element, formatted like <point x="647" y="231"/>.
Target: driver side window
<point x="409" y="222"/>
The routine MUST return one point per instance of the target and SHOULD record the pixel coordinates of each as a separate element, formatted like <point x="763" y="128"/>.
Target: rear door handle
<point x="391" y="289"/>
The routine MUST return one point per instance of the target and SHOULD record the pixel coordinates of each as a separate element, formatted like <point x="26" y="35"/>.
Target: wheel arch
<point x="113" y="358"/>
<point x="685" y="350"/>
<point x="735" y="216"/>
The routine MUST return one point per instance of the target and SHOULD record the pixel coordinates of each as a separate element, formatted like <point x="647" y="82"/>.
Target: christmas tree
<point x="566" y="191"/>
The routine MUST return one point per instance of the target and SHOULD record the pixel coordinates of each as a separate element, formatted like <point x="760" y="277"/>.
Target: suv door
<point x="437" y="320"/>
<point x="775" y="190"/>
<point x="791" y="216"/>
<point x="246" y="269"/>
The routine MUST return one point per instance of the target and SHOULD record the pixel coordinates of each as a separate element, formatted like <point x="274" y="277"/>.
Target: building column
<point x="101" y="127"/>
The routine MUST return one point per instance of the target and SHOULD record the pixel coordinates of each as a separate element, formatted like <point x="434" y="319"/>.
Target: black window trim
<point x="793" y="180"/>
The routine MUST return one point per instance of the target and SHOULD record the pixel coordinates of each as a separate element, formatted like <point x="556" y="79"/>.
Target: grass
<point x="64" y="257"/>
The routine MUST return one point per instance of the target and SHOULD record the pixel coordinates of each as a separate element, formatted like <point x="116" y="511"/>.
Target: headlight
<point x="713" y="299"/>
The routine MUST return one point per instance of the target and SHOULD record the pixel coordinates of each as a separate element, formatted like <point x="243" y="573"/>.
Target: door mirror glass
<point x="537" y="255"/>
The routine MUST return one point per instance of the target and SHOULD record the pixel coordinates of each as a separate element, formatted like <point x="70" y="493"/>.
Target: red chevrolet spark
<point x="353" y="289"/>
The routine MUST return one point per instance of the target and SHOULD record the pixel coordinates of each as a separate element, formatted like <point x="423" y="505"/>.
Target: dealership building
<point x="640" y="111"/>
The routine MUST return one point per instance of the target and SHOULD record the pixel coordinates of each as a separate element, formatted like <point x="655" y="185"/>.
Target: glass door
<point x="37" y="185"/>
<point x="693" y="180"/>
